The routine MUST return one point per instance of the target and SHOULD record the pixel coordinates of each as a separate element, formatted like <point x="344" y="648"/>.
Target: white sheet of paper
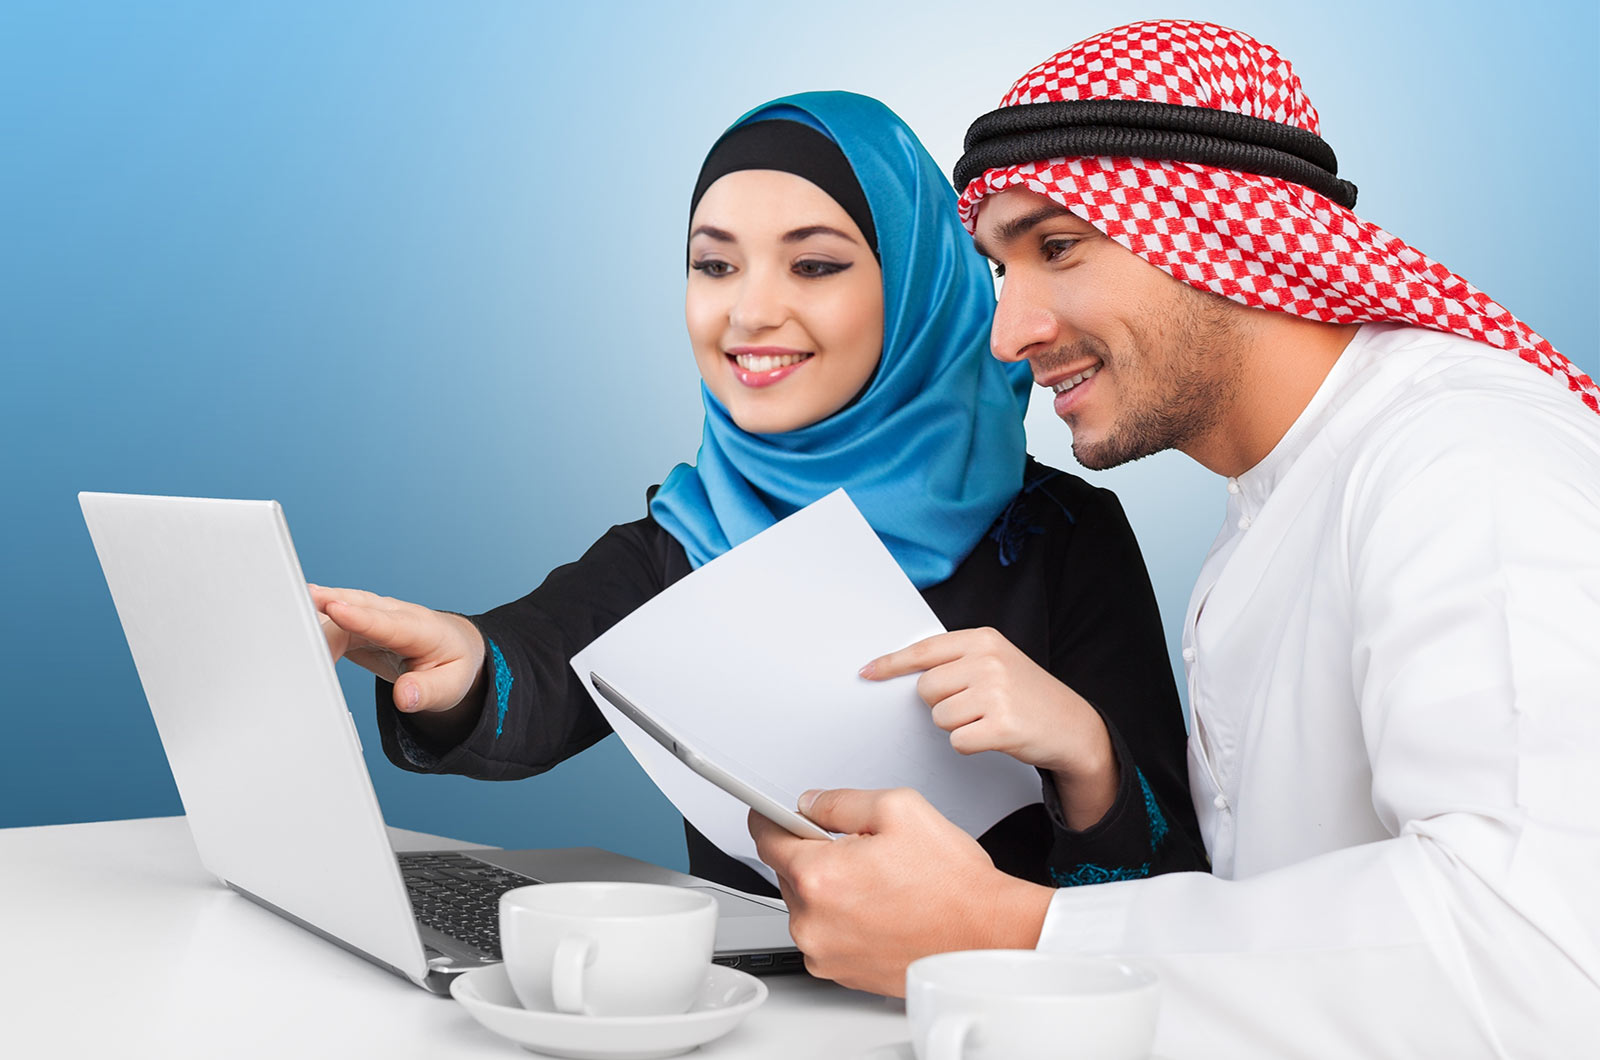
<point x="753" y="660"/>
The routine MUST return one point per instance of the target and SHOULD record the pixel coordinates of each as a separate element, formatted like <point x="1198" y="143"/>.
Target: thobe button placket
<point x="1220" y="802"/>
<point x="1233" y="486"/>
<point x="1188" y="655"/>
<point x="1244" y="522"/>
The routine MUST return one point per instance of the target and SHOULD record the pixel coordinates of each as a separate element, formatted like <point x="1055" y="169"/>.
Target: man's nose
<point x="1023" y="322"/>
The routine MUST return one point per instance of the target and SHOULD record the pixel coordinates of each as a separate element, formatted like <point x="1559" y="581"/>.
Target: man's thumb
<point x="850" y="811"/>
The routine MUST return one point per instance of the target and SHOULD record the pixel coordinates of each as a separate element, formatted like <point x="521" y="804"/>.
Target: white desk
<point x="120" y="945"/>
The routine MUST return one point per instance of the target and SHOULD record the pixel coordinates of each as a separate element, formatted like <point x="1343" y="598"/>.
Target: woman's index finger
<point x="925" y="654"/>
<point x="392" y="630"/>
<point x="322" y="595"/>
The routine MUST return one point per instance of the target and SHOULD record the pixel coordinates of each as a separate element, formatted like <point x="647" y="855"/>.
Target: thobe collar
<point x="1249" y="491"/>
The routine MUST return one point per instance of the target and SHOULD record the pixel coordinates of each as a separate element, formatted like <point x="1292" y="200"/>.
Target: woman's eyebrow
<point x="798" y="235"/>
<point x="802" y="234"/>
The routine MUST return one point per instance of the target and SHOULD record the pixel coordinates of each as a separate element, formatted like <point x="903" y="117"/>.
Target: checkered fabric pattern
<point x="1260" y="241"/>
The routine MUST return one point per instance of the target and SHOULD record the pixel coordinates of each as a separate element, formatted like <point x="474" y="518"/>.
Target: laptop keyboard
<point x="459" y="896"/>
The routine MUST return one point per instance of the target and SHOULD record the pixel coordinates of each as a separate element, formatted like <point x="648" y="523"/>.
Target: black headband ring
<point x="1032" y="132"/>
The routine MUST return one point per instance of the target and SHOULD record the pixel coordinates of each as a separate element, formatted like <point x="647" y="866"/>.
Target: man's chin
<point x="1092" y="458"/>
<point x="1102" y="453"/>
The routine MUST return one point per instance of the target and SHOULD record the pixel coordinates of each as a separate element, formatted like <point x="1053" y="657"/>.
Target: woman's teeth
<point x="760" y="362"/>
<point x="1067" y="384"/>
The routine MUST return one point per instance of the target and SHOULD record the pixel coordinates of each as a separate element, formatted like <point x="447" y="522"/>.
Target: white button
<point x="1188" y="655"/>
<point x="1244" y="522"/>
<point x="1220" y="802"/>
<point x="1233" y="485"/>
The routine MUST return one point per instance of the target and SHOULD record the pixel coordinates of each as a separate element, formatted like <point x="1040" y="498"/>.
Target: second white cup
<point x="607" y="949"/>
<point x="1028" y="1005"/>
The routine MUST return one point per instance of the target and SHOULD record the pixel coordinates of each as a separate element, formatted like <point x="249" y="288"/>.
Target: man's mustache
<point x="1052" y="361"/>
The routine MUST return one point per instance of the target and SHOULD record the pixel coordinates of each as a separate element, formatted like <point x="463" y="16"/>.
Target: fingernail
<point x="867" y="670"/>
<point x="807" y="799"/>
<point x="414" y="696"/>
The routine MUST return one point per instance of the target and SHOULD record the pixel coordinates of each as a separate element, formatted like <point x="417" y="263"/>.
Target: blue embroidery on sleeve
<point x="502" y="689"/>
<point x="1158" y="820"/>
<point x="415" y="753"/>
<point x="1089" y="873"/>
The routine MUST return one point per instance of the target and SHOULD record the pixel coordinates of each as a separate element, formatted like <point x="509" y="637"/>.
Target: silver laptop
<point x="268" y="762"/>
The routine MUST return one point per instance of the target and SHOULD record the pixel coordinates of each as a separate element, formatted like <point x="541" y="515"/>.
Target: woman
<point x="840" y="321"/>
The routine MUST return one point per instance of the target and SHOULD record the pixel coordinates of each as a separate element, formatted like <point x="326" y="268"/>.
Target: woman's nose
<point x="1023" y="322"/>
<point x="758" y="305"/>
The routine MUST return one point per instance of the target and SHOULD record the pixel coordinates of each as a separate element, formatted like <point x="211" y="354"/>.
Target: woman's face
<point x="785" y="300"/>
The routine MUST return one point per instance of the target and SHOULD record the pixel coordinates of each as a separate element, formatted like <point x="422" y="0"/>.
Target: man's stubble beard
<point x="1189" y="358"/>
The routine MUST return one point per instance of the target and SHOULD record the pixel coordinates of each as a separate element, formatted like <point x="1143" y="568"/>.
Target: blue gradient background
<point x="414" y="270"/>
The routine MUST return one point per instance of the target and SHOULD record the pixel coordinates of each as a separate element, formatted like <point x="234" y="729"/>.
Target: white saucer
<point x="903" y="1051"/>
<point x="726" y="997"/>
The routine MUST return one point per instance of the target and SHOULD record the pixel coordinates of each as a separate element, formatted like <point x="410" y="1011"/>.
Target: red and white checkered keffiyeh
<point x="1261" y="241"/>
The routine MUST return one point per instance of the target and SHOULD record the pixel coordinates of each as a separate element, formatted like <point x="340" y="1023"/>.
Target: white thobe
<point x="1393" y="657"/>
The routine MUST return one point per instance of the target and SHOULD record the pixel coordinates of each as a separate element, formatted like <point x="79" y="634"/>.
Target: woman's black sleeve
<point x="536" y="711"/>
<point x="1107" y="644"/>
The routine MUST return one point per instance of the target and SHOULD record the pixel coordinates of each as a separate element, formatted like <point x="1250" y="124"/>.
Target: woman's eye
<point x="1056" y="249"/>
<point x="712" y="267"/>
<point x="820" y="268"/>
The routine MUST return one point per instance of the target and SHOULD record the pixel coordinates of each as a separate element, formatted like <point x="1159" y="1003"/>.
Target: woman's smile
<point x="765" y="365"/>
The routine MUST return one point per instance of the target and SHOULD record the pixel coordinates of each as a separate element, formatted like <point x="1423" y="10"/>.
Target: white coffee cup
<point x="1028" y="1005"/>
<point x="607" y="949"/>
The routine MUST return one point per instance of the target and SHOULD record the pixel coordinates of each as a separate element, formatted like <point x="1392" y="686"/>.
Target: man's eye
<point x="1056" y="249"/>
<point x="820" y="268"/>
<point x="712" y="267"/>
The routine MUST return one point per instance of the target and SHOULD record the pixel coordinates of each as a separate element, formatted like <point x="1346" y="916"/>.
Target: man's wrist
<point x="1016" y="914"/>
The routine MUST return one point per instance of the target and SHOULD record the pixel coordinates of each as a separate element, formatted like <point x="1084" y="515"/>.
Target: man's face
<point x="1139" y="361"/>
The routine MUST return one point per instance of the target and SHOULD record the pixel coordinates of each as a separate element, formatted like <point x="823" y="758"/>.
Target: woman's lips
<point x="758" y="366"/>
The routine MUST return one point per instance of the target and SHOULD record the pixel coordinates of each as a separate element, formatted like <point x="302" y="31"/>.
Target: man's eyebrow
<point x="1015" y="227"/>
<point x="799" y="235"/>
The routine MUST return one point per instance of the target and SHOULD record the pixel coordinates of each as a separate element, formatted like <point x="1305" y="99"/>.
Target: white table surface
<point x="120" y="945"/>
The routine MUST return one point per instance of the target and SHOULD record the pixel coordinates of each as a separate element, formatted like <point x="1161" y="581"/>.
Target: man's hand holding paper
<point x="923" y="886"/>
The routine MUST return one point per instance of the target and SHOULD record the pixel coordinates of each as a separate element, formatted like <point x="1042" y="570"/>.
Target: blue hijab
<point x="932" y="450"/>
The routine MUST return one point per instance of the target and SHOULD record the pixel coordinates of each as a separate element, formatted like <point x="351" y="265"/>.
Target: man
<point x="1393" y="650"/>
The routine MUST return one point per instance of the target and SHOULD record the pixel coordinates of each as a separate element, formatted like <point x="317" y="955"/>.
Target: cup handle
<point x="573" y="954"/>
<point x="948" y="1035"/>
